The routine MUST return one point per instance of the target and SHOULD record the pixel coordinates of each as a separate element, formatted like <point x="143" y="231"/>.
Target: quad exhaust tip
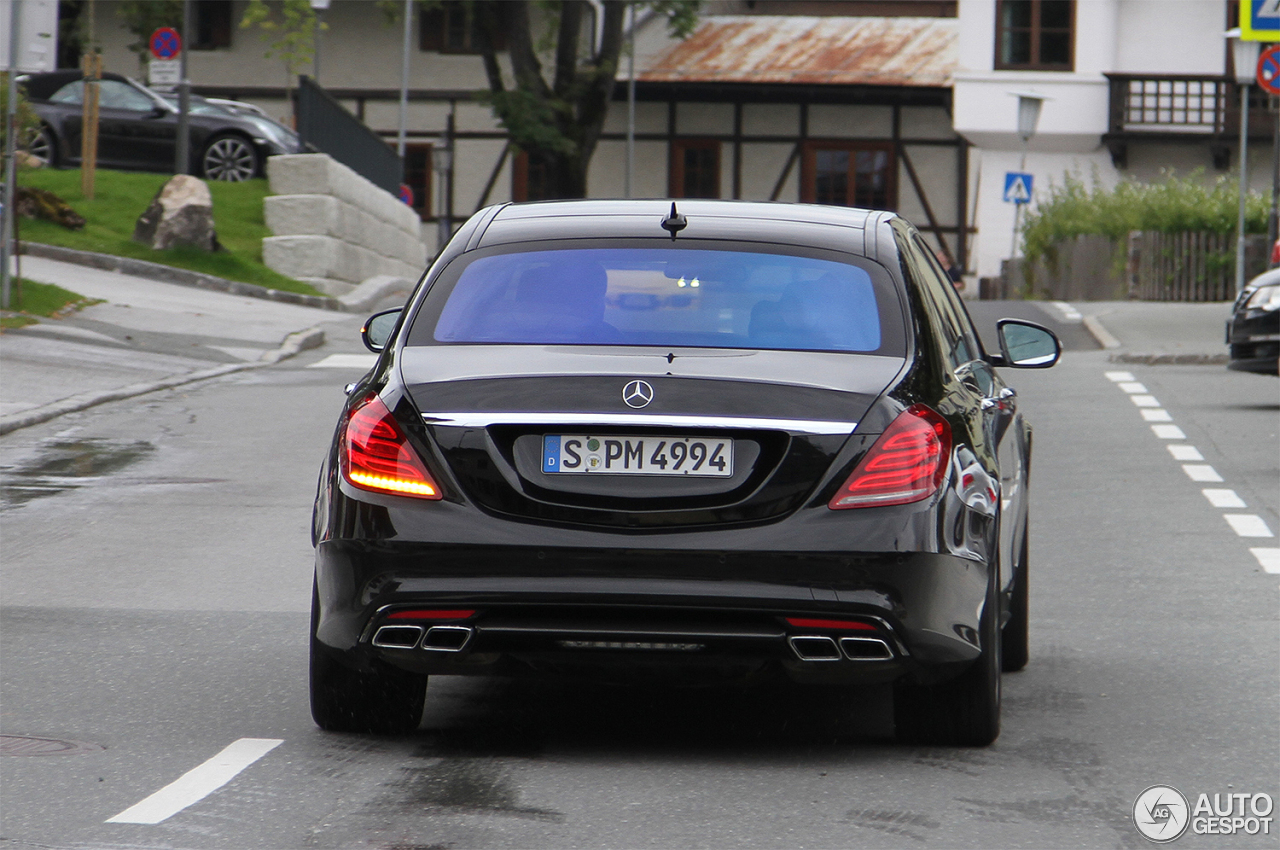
<point x="435" y="638"/>
<point x="823" y="648"/>
<point x="397" y="637"/>
<point x="814" y="648"/>
<point x="447" y="638"/>
<point x="865" y="649"/>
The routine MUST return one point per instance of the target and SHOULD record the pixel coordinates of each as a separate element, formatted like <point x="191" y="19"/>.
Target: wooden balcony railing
<point x="1183" y="108"/>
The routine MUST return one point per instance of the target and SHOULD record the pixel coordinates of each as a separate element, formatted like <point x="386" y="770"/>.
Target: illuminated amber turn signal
<point x="376" y="456"/>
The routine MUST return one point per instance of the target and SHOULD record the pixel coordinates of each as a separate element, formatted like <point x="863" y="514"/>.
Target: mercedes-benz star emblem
<point x="637" y="394"/>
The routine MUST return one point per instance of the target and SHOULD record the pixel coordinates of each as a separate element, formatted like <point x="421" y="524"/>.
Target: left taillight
<point x="906" y="464"/>
<point x="376" y="456"/>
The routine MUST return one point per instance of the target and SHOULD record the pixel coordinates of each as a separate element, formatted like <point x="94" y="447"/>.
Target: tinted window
<point x="112" y="94"/>
<point x="957" y="332"/>
<point x="664" y="297"/>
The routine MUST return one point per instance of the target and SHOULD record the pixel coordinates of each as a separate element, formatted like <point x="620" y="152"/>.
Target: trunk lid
<point x="775" y="421"/>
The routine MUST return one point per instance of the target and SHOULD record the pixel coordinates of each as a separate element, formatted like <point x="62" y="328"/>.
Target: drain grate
<point x="26" y="745"/>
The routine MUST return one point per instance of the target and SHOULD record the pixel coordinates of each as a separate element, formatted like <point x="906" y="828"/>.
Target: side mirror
<point x="379" y="327"/>
<point x="1027" y="345"/>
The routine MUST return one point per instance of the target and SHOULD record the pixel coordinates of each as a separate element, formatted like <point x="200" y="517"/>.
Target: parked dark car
<point x="138" y="129"/>
<point x="1253" y="331"/>
<point x="729" y="441"/>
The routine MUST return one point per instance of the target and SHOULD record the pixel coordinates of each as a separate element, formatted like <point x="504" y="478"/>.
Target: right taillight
<point x="906" y="464"/>
<point x="376" y="456"/>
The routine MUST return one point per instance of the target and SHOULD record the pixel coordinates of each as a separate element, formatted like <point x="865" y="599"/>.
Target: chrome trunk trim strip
<point x="483" y="419"/>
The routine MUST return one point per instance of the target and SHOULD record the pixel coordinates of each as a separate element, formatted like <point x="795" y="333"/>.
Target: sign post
<point x="169" y="68"/>
<point x="1269" y="81"/>
<point x="164" y="69"/>
<point x="1017" y="191"/>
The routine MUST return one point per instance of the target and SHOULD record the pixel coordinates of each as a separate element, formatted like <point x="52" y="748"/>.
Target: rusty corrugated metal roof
<point x="786" y="49"/>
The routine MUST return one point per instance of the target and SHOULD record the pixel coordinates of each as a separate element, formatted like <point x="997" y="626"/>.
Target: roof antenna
<point x="674" y="222"/>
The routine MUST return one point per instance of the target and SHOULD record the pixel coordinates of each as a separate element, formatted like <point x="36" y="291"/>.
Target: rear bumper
<point x="610" y="610"/>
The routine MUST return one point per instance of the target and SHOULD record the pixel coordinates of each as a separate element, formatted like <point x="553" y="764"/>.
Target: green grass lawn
<point x="121" y="196"/>
<point x="32" y="299"/>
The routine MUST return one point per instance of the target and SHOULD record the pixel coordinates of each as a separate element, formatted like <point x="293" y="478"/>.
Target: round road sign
<point x="165" y="43"/>
<point x="1269" y="69"/>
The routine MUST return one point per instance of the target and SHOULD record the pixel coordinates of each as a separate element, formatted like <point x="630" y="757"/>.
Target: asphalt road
<point x="156" y="577"/>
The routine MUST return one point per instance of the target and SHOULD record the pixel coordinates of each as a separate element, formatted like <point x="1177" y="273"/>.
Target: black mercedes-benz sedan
<point x="700" y="441"/>
<point x="1253" y="331"/>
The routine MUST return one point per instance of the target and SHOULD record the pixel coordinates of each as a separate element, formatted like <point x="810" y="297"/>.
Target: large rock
<point x="181" y="213"/>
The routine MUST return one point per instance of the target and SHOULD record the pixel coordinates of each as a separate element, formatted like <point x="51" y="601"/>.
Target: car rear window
<point x="666" y="296"/>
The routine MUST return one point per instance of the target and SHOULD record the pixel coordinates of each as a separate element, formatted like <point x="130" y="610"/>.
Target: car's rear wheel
<point x="40" y="144"/>
<point x="964" y="711"/>
<point x="230" y="158"/>
<point x="385" y="701"/>
<point x="1015" y="647"/>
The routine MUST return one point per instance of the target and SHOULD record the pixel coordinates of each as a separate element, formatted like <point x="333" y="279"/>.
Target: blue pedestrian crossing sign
<point x="1260" y="20"/>
<point x="1017" y="187"/>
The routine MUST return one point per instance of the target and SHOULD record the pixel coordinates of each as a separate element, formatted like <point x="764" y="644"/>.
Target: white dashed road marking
<point x="1248" y="525"/>
<point x="1244" y="525"/>
<point x="346" y="361"/>
<point x="1268" y="559"/>
<point x="1224" y="499"/>
<point x="1067" y="311"/>
<point x="198" y="783"/>
<point x="1201" y="472"/>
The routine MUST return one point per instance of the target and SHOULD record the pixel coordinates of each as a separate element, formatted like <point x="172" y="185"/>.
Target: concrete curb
<point x="1185" y="359"/>
<point x="373" y="290"/>
<point x="181" y="277"/>
<point x="1105" y="339"/>
<point x="1103" y="336"/>
<point x="292" y="345"/>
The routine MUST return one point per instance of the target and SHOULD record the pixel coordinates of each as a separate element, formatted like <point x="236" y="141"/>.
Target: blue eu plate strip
<point x="551" y="453"/>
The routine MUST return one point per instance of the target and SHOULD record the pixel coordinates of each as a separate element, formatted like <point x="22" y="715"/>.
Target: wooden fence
<point x="1156" y="267"/>
<point x="1182" y="266"/>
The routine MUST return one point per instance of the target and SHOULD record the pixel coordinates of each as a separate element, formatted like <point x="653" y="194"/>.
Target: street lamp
<point x="318" y="7"/>
<point x="1029" y="104"/>
<point x="1244" y="55"/>
<point x="442" y="161"/>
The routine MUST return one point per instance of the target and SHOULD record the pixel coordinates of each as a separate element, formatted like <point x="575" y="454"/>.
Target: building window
<point x="695" y="168"/>
<point x="531" y="178"/>
<point x="452" y="27"/>
<point x="417" y="176"/>
<point x="213" y="24"/>
<point x="849" y="174"/>
<point x="1035" y="34"/>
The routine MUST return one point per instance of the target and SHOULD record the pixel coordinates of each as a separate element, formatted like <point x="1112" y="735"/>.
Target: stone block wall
<point x="334" y="229"/>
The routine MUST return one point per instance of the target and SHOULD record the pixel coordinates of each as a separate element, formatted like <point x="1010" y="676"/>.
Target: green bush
<point x="1175" y="205"/>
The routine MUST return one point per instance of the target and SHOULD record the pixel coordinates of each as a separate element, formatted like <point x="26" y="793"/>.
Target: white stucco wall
<point x="1134" y="36"/>
<point x="1170" y="36"/>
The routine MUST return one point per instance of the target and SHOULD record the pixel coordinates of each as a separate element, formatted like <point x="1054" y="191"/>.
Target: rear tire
<point x="1015" y="644"/>
<point x="230" y="158"/>
<point x="41" y="144"/>
<point x="383" y="701"/>
<point x="964" y="711"/>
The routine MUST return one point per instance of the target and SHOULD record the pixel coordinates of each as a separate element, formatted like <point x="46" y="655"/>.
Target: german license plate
<point x="569" y="453"/>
